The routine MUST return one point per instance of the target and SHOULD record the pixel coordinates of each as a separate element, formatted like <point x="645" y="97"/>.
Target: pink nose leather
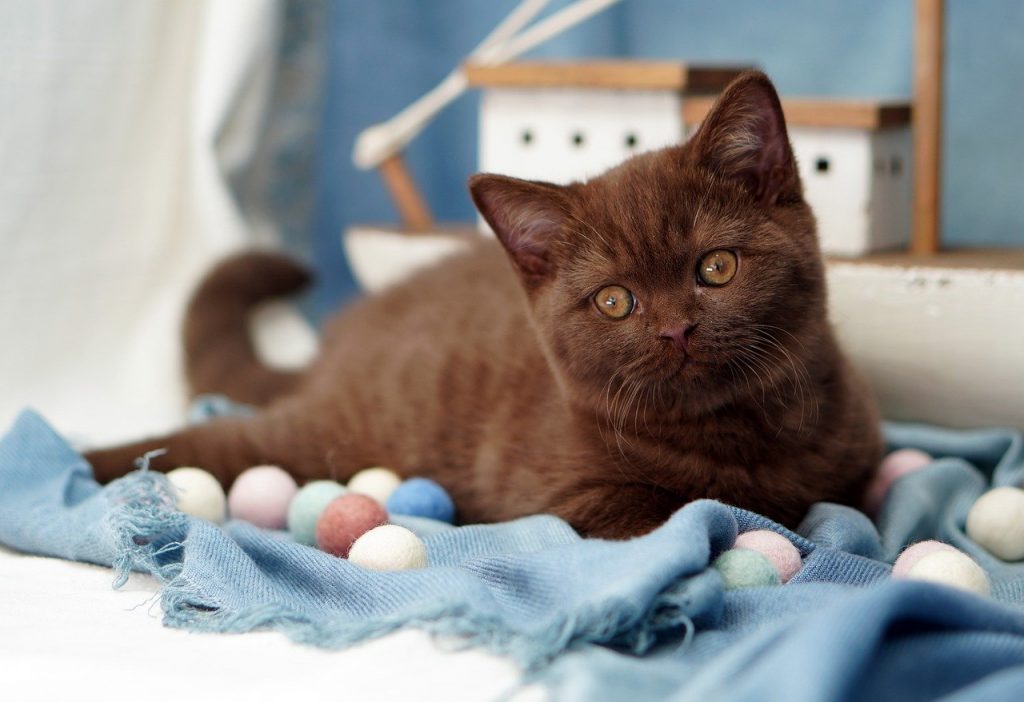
<point x="679" y="336"/>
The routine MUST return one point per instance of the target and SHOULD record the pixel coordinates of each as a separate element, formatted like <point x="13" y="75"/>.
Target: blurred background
<point x="144" y="138"/>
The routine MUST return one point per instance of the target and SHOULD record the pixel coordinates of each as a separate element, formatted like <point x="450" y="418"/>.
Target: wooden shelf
<point x="985" y="259"/>
<point x="611" y="75"/>
<point x="819" y="112"/>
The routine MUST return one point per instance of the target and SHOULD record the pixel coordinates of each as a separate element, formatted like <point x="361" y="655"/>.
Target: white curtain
<point x="121" y="123"/>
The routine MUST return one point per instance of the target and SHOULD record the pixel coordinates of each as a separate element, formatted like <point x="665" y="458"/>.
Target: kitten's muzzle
<point x="679" y="336"/>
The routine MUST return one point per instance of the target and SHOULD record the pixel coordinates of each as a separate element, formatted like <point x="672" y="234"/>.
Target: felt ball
<point x="389" y="547"/>
<point x="996" y="523"/>
<point x="307" y="506"/>
<point x="261" y="495"/>
<point x="345" y="519"/>
<point x="909" y="557"/>
<point x="894" y="466"/>
<point x="783" y="555"/>
<point x="198" y="493"/>
<point x="953" y="568"/>
<point x="377" y="483"/>
<point x="741" y="567"/>
<point x="421" y="497"/>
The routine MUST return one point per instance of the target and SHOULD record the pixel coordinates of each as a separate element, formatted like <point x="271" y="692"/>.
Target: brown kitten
<point x="660" y="336"/>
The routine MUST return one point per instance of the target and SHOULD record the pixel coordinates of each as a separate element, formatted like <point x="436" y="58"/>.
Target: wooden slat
<point x="928" y="28"/>
<point x="820" y="112"/>
<point x="989" y="259"/>
<point x="405" y="194"/>
<point x="612" y="75"/>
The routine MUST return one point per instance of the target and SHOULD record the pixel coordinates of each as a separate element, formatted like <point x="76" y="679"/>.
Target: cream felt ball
<point x="345" y="519"/>
<point x="307" y="506"/>
<point x="261" y="495"/>
<point x="376" y="482"/>
<point x="783" y="555"/>
<point x="389" y="547"/>
<point x="952" y="568"/>
<point x="741" y="567"/>
<point x="198" y="493"/>
<point x="909" y="557"/>
<point x="996" y="523"/>
<point x="893" y="466"/>
<point x="420" y="497"/>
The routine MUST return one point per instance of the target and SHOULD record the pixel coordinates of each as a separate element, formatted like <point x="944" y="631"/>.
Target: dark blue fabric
<point x="593" y="620"/>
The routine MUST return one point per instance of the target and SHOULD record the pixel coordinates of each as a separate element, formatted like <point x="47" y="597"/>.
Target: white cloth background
<point x="121" y="123"/>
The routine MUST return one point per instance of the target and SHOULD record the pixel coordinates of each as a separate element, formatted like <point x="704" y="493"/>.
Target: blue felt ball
<point x="307" y="506"/>
<point x="420" y="497"/>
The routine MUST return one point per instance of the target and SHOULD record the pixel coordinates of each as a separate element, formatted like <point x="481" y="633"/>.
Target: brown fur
<point x="507" y="386"/>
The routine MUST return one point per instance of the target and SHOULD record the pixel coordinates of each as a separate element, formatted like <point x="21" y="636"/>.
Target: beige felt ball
<point x="953" y="568"/>
<point x="376" y="482"/>
<point x="198" y="493"/>
<point x="388" y="547"/>
<point x="996" y="523"/>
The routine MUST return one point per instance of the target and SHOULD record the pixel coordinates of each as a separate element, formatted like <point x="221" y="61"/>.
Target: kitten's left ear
<point x="527" y="216"/>
<point x="744" y="137"/>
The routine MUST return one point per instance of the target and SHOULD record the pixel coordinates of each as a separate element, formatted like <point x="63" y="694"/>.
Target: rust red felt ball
<point x="345" y="519"/>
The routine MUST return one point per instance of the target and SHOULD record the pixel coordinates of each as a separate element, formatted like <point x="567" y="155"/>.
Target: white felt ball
<point x="389" y="547"/>
<point x="996" y="522"/>
<point x="377" y="483"/>
<point x="952" y="568"/>
<point x="198" y="493"/>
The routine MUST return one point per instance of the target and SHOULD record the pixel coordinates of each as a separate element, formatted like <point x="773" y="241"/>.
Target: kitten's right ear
<point x="527" y="216"/>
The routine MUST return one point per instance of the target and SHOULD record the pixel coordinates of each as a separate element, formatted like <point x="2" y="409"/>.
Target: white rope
<point x="380" y="141"/>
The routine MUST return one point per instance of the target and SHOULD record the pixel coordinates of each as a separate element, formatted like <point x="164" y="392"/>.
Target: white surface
<point x="380" y="258"/>
<point x="65" y="635"/>
<point x="939" y="345"/>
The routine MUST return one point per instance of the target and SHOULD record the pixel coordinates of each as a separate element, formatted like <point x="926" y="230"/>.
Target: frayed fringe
<point x="151" y="537"/>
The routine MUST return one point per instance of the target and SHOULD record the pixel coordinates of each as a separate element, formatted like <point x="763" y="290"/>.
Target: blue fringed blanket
<point x="593" y="620"/>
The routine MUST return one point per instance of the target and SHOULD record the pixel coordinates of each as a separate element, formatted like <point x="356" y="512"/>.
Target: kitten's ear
<point x="527" y="216"/>
<point x="744" y="137"/>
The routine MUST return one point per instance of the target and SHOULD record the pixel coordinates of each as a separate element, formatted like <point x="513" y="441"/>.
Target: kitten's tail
<point x="219" y="354"/>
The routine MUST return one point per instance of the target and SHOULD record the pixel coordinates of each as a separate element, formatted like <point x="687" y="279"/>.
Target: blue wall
<point x="383" y="55"/>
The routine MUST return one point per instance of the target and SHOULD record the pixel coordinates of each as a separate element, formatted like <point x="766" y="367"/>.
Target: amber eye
<point x="717" y="268"/>
<point x="614" y="301"/>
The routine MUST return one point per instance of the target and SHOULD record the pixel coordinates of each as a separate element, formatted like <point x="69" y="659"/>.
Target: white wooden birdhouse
<point x="570" y="121"/>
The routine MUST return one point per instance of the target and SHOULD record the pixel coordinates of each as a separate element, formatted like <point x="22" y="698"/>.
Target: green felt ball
<point x="741" y="567"/>
<point x="307" y="506"/>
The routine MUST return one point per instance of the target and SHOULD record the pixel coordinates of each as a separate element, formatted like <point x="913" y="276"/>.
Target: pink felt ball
<point x="261" y="495"/>
<point x="345" y="519"/>
<point x="894" y="466"/>
<point x="783" y="555"/>
<point x="912" y="554"/>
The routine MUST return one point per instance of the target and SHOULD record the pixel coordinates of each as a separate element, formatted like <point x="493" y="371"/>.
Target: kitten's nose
<point x="679" y="336"/>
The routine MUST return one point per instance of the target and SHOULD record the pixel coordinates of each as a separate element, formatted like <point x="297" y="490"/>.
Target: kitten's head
<point x="688" y="272"/>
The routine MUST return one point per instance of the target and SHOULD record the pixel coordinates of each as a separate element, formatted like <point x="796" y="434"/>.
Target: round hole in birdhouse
<point x="578" y="139"/>
<point x="631" y="140"/>
<point x="895" y="165"/>
<point x="822" y="164"/>
<point x="526" y="137"/>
